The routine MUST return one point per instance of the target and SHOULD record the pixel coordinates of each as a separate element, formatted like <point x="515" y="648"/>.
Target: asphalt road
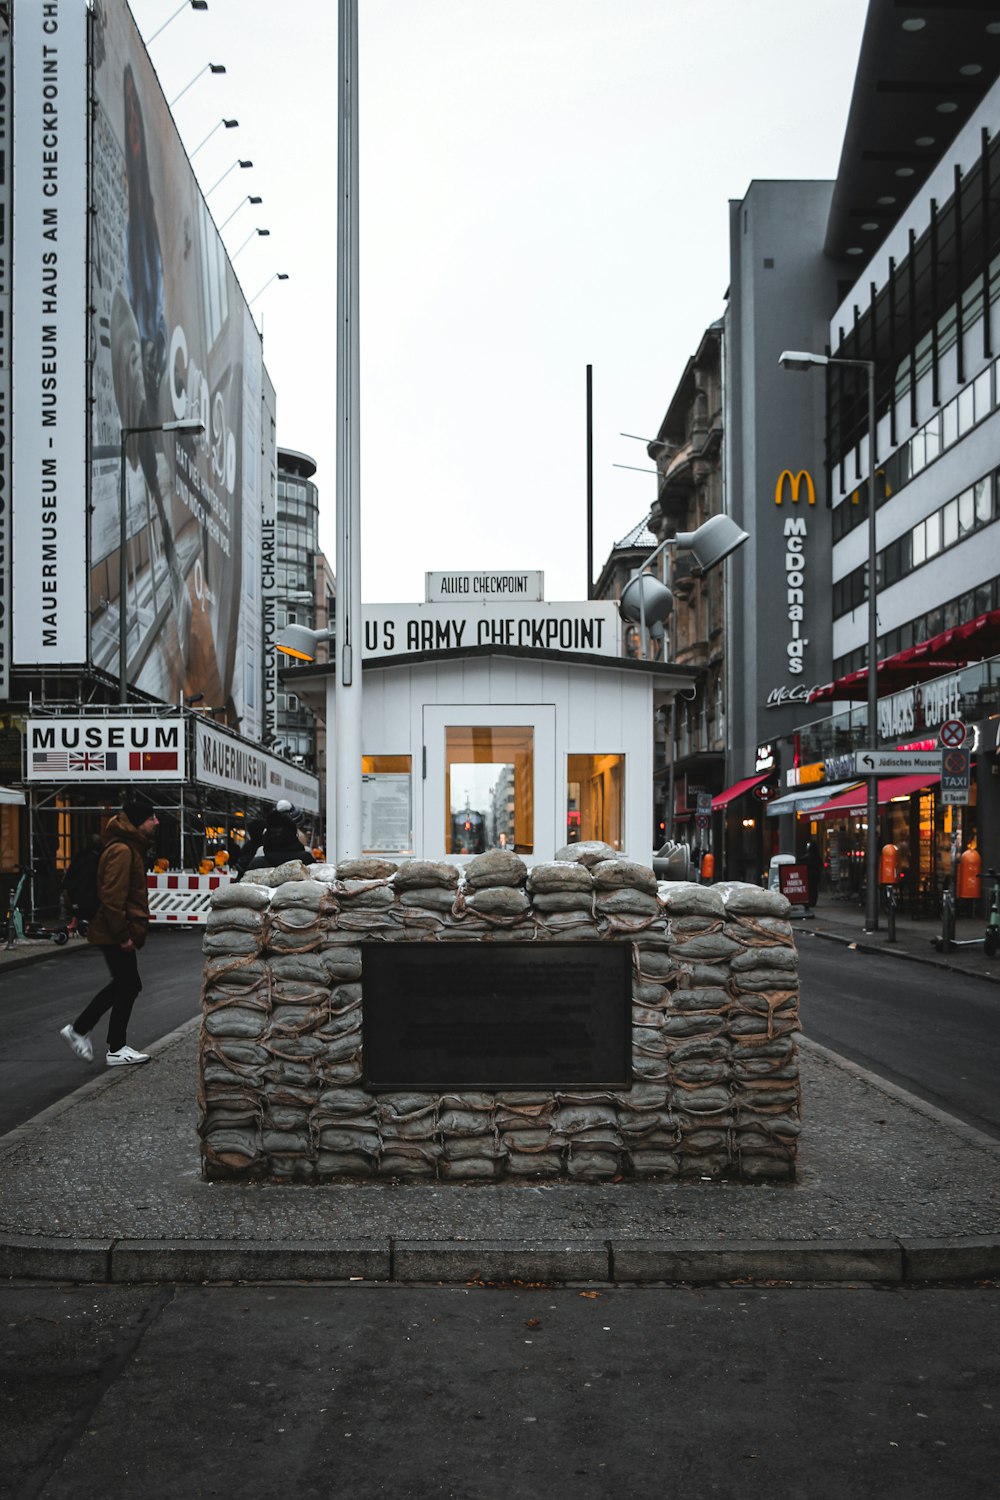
<point x="480" y="1393"/>
<point x="933" y="1033"/>
<point x="36" y="1066"/>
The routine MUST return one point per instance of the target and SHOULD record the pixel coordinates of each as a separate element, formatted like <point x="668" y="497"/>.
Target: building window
<point x="386" y="804"/>
<point x="595" y="798"/>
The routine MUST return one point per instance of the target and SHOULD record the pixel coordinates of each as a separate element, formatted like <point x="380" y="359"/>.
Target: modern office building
<point x="304" y="595"/>
<point x="894" y="264"/>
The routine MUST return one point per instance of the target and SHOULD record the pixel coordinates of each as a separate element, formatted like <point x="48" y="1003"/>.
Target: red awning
<point x="737" y="790"/>
<point x="855" y="800"/>
<point x="947" y="652"/>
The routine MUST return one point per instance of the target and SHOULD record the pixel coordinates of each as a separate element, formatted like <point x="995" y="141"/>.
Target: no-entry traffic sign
<point x="952" y="734"/>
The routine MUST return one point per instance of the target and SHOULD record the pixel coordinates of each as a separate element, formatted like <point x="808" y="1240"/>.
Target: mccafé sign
<point x="795" y="533"/>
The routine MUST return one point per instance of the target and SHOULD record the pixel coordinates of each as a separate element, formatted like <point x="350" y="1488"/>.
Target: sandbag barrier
<point x="716" y="1089"/>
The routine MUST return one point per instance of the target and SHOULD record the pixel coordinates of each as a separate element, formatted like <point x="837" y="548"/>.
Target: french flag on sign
<point x="153" y="760"/>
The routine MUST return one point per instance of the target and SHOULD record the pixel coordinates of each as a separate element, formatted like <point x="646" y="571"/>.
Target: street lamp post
<point x="126" y="433"/>
<point x="794" y="359"/>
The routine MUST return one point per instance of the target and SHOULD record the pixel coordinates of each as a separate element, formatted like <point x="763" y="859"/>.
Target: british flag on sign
<point x="90" y="760"/>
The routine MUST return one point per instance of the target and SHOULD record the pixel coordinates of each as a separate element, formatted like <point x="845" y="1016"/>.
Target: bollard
<point x="891" y="895"/>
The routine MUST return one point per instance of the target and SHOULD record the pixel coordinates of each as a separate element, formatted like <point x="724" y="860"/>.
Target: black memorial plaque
<point x="440" y="1017"/>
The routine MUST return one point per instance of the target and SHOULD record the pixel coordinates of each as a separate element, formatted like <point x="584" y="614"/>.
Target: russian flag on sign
<point x="153" y="760"/>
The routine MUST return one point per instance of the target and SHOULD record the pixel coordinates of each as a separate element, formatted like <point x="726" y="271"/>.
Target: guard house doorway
<point x="490" y="779"/>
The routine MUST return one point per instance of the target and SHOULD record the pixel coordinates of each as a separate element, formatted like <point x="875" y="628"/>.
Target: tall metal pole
<point x="871" y="838"/>
<point x="590" y="481"/>
<point x="346" y="764"/>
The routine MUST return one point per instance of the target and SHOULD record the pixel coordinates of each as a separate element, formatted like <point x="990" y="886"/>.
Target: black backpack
<point x="81" y="884"/>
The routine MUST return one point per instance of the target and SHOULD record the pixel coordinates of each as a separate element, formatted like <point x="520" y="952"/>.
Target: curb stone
<point x="775" y="1260"/>
<point x="246" y="1260"/>
<point x="970" y="1259"/>
<point x="613" y="1262"/>
<point x="500" y="1260"/>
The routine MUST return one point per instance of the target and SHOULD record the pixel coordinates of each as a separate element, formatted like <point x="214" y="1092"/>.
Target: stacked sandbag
<point x="524" y="1120"/>
<point x="408" y="1128"/>
<point x="471" y="1150"/>
<point x="696" y="1027"/>
<point x="236" y="1012"/>
<point x="714" y="1015"/>
<point x="765" y="987"/>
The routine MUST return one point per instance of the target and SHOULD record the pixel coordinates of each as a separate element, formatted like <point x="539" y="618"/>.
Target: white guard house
<point x="493" y="719"/>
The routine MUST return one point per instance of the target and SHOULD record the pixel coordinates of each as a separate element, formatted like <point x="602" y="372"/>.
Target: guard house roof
<point x="922" y="71"/>
<point x="309" y="681"/>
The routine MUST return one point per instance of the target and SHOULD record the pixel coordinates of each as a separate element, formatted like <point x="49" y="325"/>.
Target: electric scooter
<point x="17" y="926"/>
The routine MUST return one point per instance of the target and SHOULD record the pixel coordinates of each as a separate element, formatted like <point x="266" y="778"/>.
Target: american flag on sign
<point x="90" y="760"/>
<point x="49" y="760"/>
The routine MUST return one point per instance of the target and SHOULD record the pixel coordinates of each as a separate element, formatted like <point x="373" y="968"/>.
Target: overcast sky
<point x="544" y="185"/>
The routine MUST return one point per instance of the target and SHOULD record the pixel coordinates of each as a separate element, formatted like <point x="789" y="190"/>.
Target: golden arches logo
<point x="794" y="484"/>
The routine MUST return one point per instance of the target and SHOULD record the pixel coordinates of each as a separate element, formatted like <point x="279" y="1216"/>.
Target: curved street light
<point x="208" y="68"/>
<point x="250" y="198"/>
<point x="240" y="162"/>
<point x="229" y="124"/>
<point x="277" y="276"/>
<point x="263" y="233"/>
<point x="194" y="4"/>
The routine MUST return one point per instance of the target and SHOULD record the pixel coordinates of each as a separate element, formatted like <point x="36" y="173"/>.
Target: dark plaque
<point x="449" y="1016"/>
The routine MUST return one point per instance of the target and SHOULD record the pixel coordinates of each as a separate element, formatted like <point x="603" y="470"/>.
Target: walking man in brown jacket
<point x="119" y="930"/>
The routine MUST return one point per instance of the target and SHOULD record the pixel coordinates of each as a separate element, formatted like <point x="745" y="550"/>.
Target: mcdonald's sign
<point x="794" y="483"/>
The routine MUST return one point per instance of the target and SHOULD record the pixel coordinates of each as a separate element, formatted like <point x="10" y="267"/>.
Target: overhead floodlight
<point x="713" y="541"/>
<point x="647" y="602"/>
<point x="645" y="599"/>
<point x="301" y="642"/>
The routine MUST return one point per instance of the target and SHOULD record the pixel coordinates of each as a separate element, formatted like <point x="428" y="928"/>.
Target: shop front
<point x="207" y="783"/>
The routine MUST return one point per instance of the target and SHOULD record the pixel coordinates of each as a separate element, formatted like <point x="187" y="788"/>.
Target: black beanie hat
<point x="294" y="814"/>
<point x="137" y="807"/>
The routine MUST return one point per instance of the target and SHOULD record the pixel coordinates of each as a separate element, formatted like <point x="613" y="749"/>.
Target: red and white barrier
<point x="182" y="898"/>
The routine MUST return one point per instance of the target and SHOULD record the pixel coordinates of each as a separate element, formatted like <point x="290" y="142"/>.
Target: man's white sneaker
<point x="81" y="1045"/>
<point x="124" y="1056"/>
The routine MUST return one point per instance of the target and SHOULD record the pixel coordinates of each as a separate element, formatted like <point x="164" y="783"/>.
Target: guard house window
<point x="386" y="804"/>
<point x="595" y="798"/>
<point x="490" y="788"/>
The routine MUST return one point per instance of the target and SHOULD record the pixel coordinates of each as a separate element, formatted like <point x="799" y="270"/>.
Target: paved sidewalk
<point x="915" y="939"/>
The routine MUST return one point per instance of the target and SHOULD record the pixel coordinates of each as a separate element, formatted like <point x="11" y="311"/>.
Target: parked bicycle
<point x="18" y="926"/>
<point x="991" y="941"/>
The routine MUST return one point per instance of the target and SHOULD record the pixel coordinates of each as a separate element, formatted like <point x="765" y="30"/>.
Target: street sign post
<point x="952" y="734"/>
<point x="896" y="762"/>
<point x="955" y="777"/>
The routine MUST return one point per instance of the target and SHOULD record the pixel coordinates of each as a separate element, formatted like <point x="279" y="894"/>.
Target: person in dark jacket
<point x="284" y="835"/>
<point x="119" y="929"/>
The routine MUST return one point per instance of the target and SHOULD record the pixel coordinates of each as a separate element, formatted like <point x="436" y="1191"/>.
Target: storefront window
<point x="386" y="804"/>
<point x="490" y="789"/>
<point x="595" y="798"/>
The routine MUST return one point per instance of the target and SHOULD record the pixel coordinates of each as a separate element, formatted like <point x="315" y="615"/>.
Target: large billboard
<point x="49" y="333"/>
<point x="171" y="340"/>
<point x="5" y="387"/>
